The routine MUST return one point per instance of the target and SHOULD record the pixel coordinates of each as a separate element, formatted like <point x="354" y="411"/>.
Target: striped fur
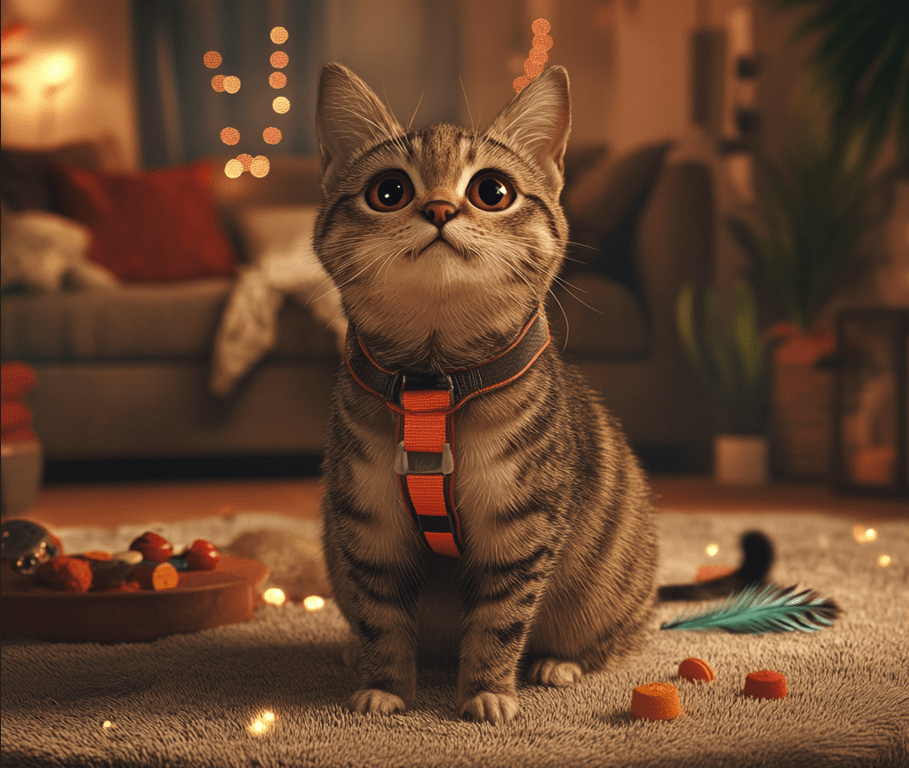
<point x="557" y="578"/>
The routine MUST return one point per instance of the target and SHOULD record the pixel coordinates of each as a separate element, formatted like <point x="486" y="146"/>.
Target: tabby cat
<point x="443" y="243"/>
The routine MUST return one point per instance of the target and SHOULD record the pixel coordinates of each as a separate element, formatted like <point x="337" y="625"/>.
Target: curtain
<point x="182" y="116"/>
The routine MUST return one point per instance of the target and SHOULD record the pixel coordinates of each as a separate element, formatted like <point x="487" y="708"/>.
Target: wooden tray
<point x="203" y="599"/>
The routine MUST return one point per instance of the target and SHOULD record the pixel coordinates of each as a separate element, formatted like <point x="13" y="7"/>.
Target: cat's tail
<point x="758" y="557"/>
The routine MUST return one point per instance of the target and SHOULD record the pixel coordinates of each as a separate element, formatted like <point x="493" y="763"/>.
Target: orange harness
<point x="425" y="461"/>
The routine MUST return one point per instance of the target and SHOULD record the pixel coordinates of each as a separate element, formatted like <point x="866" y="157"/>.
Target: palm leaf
<point x="773" y="609"/>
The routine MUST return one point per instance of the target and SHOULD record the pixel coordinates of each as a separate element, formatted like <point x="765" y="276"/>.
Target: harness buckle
<point x="415" y="381"/>
<point x="424" y="463"/>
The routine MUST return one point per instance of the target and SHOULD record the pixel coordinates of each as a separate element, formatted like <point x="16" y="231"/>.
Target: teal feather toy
<point x="772" y="609"/>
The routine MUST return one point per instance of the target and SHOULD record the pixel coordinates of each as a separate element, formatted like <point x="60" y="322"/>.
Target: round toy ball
<point x="656" y="701"/>
<point x="202" y="556"/>
<point x="153" y="547"/>
<point x="696" y="670"/>
<point x="765" y="684"/>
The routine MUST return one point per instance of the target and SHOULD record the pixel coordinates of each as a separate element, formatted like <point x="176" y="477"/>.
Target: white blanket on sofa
<point x="284" y="266"/>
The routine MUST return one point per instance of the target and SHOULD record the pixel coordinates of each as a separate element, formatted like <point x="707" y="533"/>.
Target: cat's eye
<point x="389" y="191"/>
<point x="490" y="191"/>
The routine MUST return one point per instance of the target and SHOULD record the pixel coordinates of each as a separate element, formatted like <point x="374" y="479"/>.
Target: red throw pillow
<point x="16" y="379"/>
<point x="149" y="225"/>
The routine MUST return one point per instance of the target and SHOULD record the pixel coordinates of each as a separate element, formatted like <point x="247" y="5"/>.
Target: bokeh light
<point x="862" y="534"/>
<point x="279" y="59"/>
<point x="281" y="105"/>
<point x="532" y="69"/>
<point x="212" y="59"/>
<point x="537" y="57"/>
<point x="231" y="84"/>
<point x="883" y="561"/>
<point x="273" y="596"/>
<point x="259" y="167"/>
<point x="217" y="82"/>
<point x="277" y="79"/>
<point x="313" y="603"/>
<point x="230" y="136"/>
<point x="271" y="135"/>
<point x="245" y="160"/>
<point x="233" y="169"/>
<point x="279" y="35"/>
<point x="520" y="83"/>
<point x="712" y="549"/>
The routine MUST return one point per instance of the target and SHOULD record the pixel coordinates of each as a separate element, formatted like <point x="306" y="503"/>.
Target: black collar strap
<point x="464" y="383"/>
<point x="425" y="460"/>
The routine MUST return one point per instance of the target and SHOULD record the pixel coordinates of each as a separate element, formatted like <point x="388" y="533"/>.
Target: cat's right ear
<point x="349" y="119"/>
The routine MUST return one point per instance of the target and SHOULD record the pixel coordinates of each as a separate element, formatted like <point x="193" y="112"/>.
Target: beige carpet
<point x="189" y="700"/>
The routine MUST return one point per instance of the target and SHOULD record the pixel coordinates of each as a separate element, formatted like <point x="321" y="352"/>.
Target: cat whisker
<point x="565" y="316"/>
<point x="410" y="122"/>
<point x="473" y="127"/>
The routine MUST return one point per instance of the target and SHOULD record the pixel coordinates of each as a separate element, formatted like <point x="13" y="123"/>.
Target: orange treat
<point x="70" y="574"/>
<point x="96" y="554"/>
<point x="765" y="684"/>
<point x="156" y="576"/>
<point x="708" y="572"/>
<point x="656" y="701"/>
<point x="696" y="670"/>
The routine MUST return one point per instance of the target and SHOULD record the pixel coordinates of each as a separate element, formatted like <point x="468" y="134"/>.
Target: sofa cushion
<point x="151" y="225"/>
<point x="153" y="321"/>
<point x="25" y="174"/>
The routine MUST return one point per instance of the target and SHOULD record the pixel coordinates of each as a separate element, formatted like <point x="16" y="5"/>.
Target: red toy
<point x="153" y="547"/>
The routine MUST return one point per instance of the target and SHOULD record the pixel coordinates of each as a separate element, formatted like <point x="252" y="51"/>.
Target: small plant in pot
<point x="811" y="216"/>
<point x="730" y="356"/>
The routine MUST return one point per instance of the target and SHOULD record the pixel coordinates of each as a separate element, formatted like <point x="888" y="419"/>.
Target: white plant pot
<point x="741" y="460"/>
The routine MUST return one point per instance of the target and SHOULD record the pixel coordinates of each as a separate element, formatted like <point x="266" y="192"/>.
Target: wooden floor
<point x="110" y="505"/>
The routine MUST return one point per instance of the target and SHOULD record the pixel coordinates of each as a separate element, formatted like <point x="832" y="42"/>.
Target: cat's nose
<point x="439" y="212"/>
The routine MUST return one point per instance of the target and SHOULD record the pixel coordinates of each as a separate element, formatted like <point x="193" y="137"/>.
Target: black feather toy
<point x="772" y="609"/>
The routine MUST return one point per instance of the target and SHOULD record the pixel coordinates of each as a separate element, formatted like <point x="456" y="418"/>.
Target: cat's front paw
<point x="374" y="701"/>
<point x="554" y="672"/>
<point x="486" y="707"/>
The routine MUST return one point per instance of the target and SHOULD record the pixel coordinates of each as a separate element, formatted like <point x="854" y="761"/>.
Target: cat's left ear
<point x="538" y="119"/>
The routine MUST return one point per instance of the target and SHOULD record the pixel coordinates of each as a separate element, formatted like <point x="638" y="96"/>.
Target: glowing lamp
<point x="58" y="69"/>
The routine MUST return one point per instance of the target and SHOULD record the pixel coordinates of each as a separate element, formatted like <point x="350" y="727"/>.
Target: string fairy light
<point x="260" y="165"/>
<point x="313" y="603"/>
<point x="538" y="55"/>
<point x="274" y="596"/>
<point x="261" y="724"/>
<point x="863" y="535"/>
<point x="712" y="549"/>
<point x="230" y="136"/>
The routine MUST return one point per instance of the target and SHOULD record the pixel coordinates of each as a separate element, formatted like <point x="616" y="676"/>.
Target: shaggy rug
<point x="269" y="692"/>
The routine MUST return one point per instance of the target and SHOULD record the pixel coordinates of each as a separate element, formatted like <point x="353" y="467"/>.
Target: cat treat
<point x="656" y="701"/>
<point x="695" y="670"/>
<point x="765" y="684"/>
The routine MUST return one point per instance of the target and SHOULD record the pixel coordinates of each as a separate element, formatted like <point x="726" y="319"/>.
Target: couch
<point x="123" y="370"/>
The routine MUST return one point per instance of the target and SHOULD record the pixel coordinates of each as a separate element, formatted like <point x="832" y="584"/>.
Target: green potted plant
<point x="811" y="214"/>
<point x="803" y="245"/>
<point x="730" y="356"/>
